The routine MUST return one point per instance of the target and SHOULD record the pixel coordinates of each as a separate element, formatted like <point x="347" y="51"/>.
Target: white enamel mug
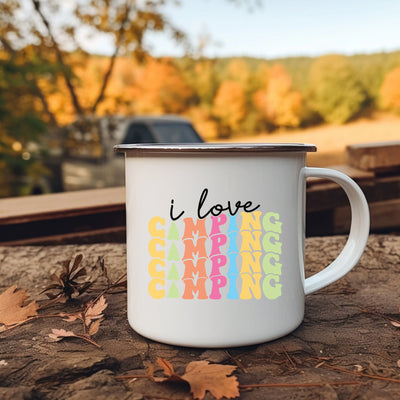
<point x="215" y="241"/>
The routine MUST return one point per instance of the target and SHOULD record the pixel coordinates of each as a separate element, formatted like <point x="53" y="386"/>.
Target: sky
<point x="282" y="28"/>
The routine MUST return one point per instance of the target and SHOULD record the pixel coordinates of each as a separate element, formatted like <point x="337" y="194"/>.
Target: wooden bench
<point x="73" y="217"/>
<point x="375" y="167"/>
<point x="99" y="215"/>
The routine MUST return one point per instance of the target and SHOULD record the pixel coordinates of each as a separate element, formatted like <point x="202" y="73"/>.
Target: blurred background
<point x="76" y="75"/>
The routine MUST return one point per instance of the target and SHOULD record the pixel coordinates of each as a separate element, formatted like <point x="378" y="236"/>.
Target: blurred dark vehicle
<point x="89" y="160"/>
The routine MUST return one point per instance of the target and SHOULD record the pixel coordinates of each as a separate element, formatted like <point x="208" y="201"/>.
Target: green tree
<point x="20" y="130"/>
<point x="336" y="93"/>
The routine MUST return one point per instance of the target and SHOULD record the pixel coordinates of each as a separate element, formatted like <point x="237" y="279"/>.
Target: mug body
<point x="215" y="242"/>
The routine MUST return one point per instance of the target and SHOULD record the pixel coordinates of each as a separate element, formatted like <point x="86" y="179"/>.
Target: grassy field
<point x="331" y="140"/>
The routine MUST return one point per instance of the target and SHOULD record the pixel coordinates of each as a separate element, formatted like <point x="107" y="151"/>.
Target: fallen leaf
<point x="69" y="283"/>
<point x="74" y="280"/>
<point x="95" y="311"/>
<point x="202" y="377"/>
<point x="70" y="317"/>
<point x="12" y="309"/>
<point x="91" y="318"/>
<point x="166" y="366"/>
<point x="94" y="327"/>
<point x="59" y="334"/>
<point x="168" y="370"/>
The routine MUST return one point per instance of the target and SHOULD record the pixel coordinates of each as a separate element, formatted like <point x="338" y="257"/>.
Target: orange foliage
<point x="390" y="90"/>
<point x="239" y="71"/>
<point x="230" y="104"/>
<point x="155" y="87"/>
<point x="89" y="73"/>
<point x="203" y="81"/>
<point x="278" y="103"/>
<point x="203" y="122"/>
<point x="58" y="99"/>
<point x="120" y="92"/>
<point x="160" y="88"/>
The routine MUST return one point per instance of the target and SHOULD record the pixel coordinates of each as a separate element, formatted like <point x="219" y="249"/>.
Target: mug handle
<point x="359" y="230"/>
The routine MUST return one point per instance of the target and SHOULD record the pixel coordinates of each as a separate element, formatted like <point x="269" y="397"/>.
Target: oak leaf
<point x="202" y="377"/>
<point x="12" y="309"/>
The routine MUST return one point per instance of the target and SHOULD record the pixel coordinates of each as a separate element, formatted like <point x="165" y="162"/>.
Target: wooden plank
<point x="99" y="214"/>
<point x="103" y="235"/>
<point x="385" y="217"/>
<point x="377" y="157"/>
<point x="61" y="205"/>
<point x="325" y="196"/>
<point x="354" y="173"/>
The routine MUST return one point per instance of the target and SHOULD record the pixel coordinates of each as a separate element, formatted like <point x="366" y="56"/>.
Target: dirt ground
<point x="346" y="348"/>
<point x="331" y="140"/>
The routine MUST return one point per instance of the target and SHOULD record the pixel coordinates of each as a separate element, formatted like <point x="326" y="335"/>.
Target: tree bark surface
<point x="346" y="336"/>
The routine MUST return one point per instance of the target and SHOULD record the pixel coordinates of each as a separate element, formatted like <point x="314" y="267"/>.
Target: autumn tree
<point x="279" y="104"/>
<point x="390" y="91"/>
<point x="229" y="107"/>
<point x="336" y="93"/>
<point x="122" y="24"/>
<point x="160" y="88"/>
<point x="238" y="70"/>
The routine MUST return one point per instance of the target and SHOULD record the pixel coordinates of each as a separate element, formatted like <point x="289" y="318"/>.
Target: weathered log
<point x="346" y="336"/>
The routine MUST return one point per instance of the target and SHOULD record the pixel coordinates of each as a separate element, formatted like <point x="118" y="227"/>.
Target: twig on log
<point x="346" y="371"/>
<point x="292" y="363"/>
<point x="283" y="385"/>
<point x="237" y="362"/>
<point x="366" y="311"/>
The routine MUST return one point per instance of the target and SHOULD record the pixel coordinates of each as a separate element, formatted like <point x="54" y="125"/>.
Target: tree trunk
<point x="71" y="89"/>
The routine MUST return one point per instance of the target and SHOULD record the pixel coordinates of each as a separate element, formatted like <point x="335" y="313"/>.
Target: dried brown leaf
<point x="95" y="311"/>
<point x="68" y="283"/>
<point x="59" y="334"/>
<point x="77" y="261"/>
<point x="94" y="327"/>
<point x="12" y="309"/>
<point x="71" y="317"/>
<point x="81" y="272"/>
<point x="166" y="366"/>
<point x="91" y="317"/>
<point x="202" y="377"/>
